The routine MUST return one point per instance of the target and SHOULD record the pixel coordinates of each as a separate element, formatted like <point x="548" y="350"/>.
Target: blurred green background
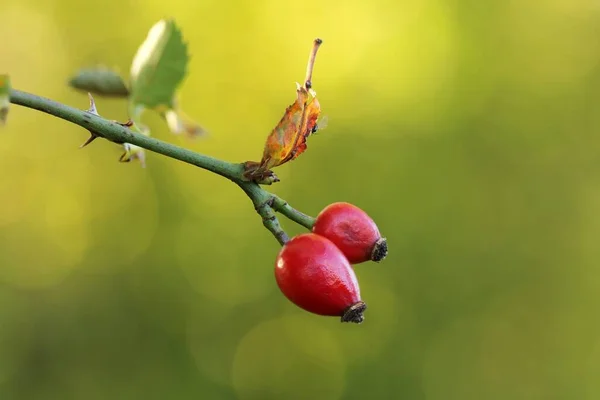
<point x="468" y="130"/>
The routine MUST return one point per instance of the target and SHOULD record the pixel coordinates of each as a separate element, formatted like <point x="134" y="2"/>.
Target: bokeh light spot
<point x="289" y="358"/>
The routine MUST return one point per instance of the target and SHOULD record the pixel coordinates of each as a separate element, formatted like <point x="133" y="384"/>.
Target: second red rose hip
<point x="352" y="231"/>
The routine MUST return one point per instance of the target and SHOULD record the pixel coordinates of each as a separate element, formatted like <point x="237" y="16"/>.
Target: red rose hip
<point x="316" y="276"/>
<point x="352" y="231"/>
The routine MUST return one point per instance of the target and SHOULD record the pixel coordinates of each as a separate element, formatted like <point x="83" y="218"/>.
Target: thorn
<point x="125" y="124"/>
<point x="92" y="108"/>
<point x="132" y="152"/>
<point x="90" y="140"/>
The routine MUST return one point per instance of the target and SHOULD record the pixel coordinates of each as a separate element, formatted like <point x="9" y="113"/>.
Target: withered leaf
<point x="288" y="139"/>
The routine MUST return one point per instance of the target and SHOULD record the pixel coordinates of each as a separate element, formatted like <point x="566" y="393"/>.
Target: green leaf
<point x="159" y="67"/>
<point x="101" y="81"/>
<point x="157" y="70"/>
<point x="4" y="97"/>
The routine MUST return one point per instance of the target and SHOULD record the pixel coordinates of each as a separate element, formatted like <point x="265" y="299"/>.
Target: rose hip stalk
<point x="316" y="276"/>
<point x="352" y="231"/>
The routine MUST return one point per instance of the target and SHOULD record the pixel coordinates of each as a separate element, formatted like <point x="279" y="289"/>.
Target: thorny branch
<point x="265" y="203"/>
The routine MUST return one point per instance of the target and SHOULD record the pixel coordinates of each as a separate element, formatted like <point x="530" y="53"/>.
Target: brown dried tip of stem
<point x="380" y="250"/>
<point x="355" y="312"/>
<point x="311" y="63"/>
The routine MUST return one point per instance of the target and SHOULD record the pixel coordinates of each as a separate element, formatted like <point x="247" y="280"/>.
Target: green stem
<point x="117" y="133"/>
<point x="271" y="222"/>
<point x="290" y="212"/>
<point x="264" y="202"/>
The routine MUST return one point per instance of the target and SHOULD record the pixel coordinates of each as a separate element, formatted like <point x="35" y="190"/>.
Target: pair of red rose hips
<point x="314" y="271"/>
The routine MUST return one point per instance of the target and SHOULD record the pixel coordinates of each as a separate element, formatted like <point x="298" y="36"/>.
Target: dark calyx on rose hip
<point x="352" y="231"/>
<point x="316" y="276"/>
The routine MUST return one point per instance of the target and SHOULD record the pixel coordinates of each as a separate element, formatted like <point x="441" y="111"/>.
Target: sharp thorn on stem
<point x="125" y="124"/>
<point x="90" y="140"/>
<point x="92" y="108"/>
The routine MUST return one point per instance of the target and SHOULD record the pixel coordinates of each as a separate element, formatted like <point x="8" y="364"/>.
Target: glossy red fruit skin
<point x="352" y="231"/>
<point x="316" y="276"/>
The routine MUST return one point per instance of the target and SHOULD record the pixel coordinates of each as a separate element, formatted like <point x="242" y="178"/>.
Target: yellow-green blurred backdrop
<point x="469" y="130"/>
